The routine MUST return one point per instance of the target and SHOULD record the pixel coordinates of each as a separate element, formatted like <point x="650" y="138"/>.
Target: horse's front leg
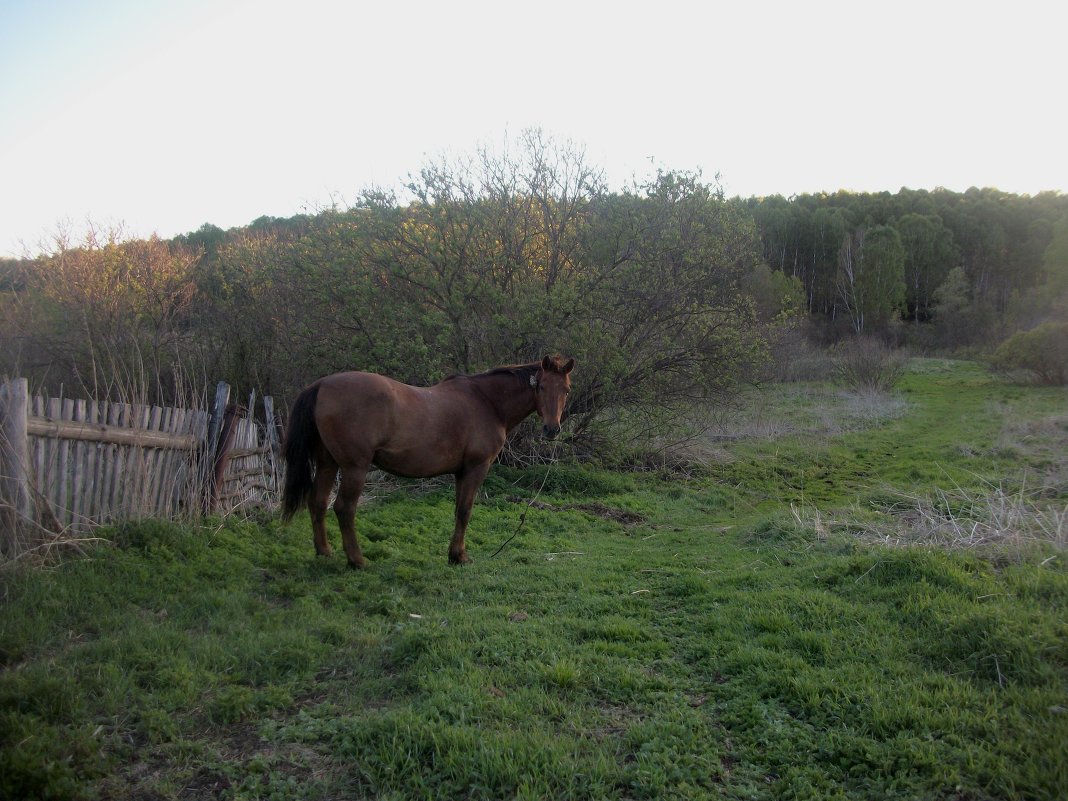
<point x="468" y="480"/>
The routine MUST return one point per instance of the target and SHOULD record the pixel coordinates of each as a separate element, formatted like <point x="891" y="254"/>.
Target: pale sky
<point x="165" y="115"/>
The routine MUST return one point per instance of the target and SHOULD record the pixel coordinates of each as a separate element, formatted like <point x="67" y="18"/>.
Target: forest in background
<point x="667" y="293"/>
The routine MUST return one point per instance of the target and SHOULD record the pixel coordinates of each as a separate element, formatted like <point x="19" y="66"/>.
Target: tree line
<point x="484" y="260"/>
<point x="977" y="263"/>
<point x="667" y="293"/>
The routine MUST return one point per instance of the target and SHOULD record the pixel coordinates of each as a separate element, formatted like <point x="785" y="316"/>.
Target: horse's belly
<point x="415" y="464"/>
<point x="437" y="456"/>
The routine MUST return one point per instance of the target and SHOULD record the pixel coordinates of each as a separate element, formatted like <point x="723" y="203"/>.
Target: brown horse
<point x="351" y="421"/>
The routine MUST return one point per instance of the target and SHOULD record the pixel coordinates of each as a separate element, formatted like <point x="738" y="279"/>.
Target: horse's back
<point x="414" y="431"/>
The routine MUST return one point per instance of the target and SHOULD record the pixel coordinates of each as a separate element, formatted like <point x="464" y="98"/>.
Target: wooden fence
<point x="68" y="465"/>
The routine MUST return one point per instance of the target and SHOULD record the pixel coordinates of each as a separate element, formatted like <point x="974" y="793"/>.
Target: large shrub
<point x="1040" y="354"/>
<point x="499" y="259"/>
<point x="867" y="364"/>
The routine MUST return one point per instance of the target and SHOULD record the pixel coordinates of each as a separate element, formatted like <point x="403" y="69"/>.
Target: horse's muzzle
<point x="550" y="432"/>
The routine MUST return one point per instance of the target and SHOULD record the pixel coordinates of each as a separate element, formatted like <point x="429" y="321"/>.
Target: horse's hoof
<point x="358" y="565"/>
<point x="462" y="559"/>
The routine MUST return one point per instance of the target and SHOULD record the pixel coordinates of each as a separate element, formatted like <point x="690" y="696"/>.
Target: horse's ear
<point x="569" y="366"/>
<point x="546" y="363"/>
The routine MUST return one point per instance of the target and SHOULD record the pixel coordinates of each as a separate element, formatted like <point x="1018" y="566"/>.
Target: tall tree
<point x="1055" y="260"/>
<point x="871" y="276"/>
<point x="929" y="256"/>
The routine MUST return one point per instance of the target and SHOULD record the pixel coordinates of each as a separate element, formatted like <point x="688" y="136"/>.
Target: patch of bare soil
<point x="596" y="509"/>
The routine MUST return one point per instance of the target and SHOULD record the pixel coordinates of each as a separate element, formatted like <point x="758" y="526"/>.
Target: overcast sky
<point x="166" y="115"/>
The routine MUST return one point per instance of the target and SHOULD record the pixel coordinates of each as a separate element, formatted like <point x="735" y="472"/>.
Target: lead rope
<point x="530" y="503"/>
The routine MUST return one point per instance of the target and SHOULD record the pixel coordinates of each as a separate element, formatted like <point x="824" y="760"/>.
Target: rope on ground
<point x="530" y="503"/>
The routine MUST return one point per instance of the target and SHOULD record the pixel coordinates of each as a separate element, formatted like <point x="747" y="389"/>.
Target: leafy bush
<point x="867" y="364"/>
<point x="1041" y="354"/>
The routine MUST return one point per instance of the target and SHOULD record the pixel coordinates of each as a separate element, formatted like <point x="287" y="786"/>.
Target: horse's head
<point x="552" y="383"/>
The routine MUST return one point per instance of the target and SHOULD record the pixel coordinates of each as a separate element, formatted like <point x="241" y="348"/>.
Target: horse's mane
<point x="520" y="371"/>
<point x="523" y="372"/>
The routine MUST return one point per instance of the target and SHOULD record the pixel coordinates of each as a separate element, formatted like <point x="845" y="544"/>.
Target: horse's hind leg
<point x="348" y="495"/>
<point x="325" y="473"/>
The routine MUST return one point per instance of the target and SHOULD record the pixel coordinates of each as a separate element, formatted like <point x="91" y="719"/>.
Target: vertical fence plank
<point x="173" y="424"/>
<point x="102" y="451"/>
<point x="137" y="464"/>
<point x="173" y="490"/>
<point x="50" y="489"/>
<point x="163" y="491"/>
<point x="128" y="473"/>
<point x="78" y="471"/>
<point x="118" y="415"/>
<point x="167" y="492"/>
<point x="107" y="462"/>
<point x="14" y="448"/>
<point x="214" y="444"/>
<point x="218" y="412"/>
<point x="37" y="450"/>
<point x="106" y="455"/>
<point x="92" y="504"/>
<point x="88" y="462"/>
<point x="99" y="417"/>
<point x="51" y="513"/>
<point x="246" y="462"/>
<point x="63" y="500"/>
<point x="199" y="470"/>
<point x="154" y="465"/>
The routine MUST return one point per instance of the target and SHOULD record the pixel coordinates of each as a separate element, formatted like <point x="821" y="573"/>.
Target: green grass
<point x="722" y="646"/>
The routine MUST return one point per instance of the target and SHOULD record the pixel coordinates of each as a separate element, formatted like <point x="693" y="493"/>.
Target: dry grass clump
<point x="1044" y="442"/>
<point x="775" y="411"/>
<point x="995" y="521"/>
<point x="1010" y="522"/>
<point x="24" y="541"/>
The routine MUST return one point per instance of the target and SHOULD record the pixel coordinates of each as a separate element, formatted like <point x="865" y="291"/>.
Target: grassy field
<point x="858" y="598"/>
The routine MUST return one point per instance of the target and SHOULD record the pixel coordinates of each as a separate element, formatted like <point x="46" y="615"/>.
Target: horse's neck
<point x="512" y="401"/>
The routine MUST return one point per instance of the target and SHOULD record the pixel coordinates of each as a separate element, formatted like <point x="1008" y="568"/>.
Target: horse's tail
<point x="302" y="436"/>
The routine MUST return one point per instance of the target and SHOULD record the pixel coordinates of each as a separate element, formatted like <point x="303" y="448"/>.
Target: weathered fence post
<point x="222" y="452"/>
<point x="218" y="412"/>
<point x="213" y="445"/>
<point x="15" y="498"/>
